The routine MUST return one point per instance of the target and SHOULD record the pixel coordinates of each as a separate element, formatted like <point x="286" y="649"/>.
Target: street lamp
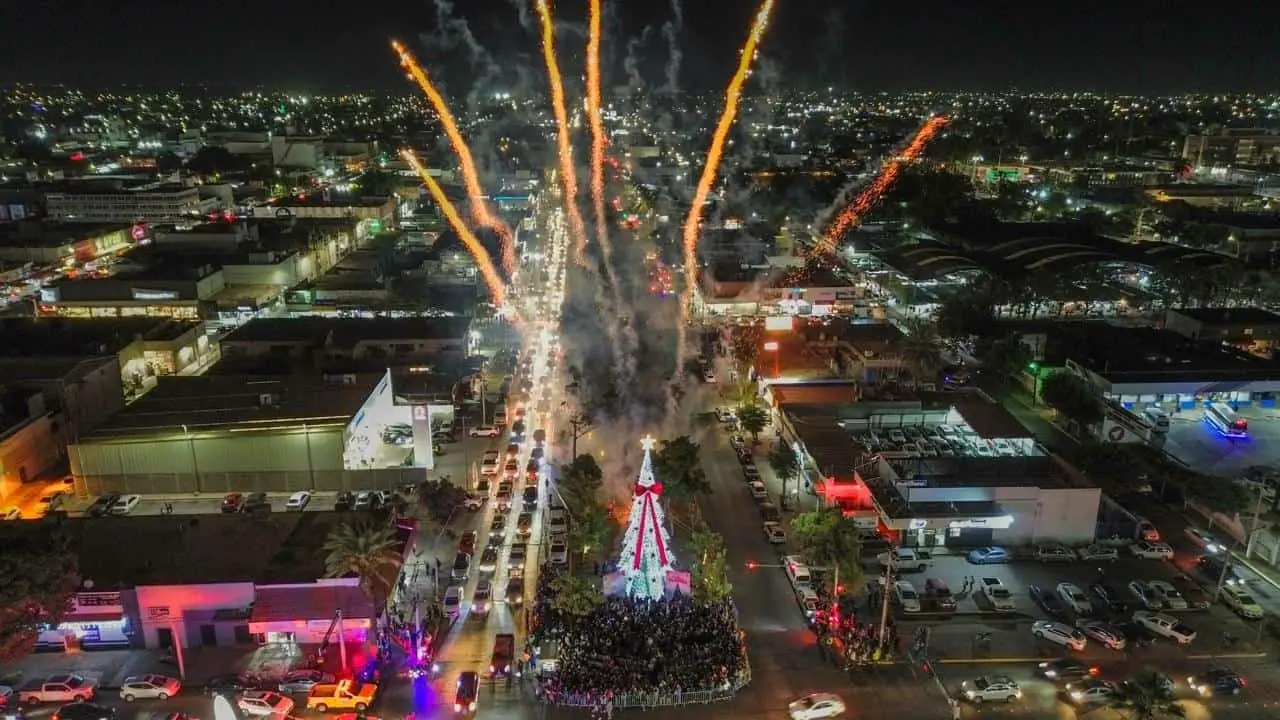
<point x="1034" y="369"/>
<point x="772" y="347"/>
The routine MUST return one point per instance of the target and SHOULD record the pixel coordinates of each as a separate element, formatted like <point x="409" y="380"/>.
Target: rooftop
<point x="39" y="369"/>
<point x="317" y="200"/>
<point x="47" y="233"/>
<point x="224" y="402"/>
<point x="1230" y="316"/>
<point x="1015" y="250"/>
<point x="348" y="332"/>
<point x="123" y="552"/>
<point x="832" y="393"/>
<point x="1135" y="354"/>
<point x="89" y="187"/>
<point x="313" y="602"/>
<point x="58" y="337"/>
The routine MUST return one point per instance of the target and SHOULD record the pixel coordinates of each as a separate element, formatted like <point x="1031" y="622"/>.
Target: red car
<point x="467" y="544"/>
<point x="232" y="503"/>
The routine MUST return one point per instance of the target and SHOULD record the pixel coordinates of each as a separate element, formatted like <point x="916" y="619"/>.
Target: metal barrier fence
<point x="654" y="699"/>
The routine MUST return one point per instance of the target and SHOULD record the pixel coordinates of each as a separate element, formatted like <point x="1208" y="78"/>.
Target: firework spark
<point x="564" y="149"/>
<point x="853" y="213"/>
<point x="731" y="98"/>
<point x="487" y="271"/>
<point x="475" y="194"/>
<point x="597" y="127"/>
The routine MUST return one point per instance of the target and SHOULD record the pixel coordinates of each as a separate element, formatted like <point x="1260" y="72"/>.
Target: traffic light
<point x="752" y="564"/>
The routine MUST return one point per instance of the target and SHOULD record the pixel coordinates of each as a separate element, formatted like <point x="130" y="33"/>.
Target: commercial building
<point x="1233" y="147"/>
<point x="31" y="437"/>
<point x="179" y="291"/>
<point x="54" y="244"/>
<point x="1253" y="330"/>
<point x="220" y="434"/>
<point x="380" y="341"/>
<point x="145" y="348"/>
<point x="159" y="204"/>
<point x="1139" y="367"/>
<point x="150" y="582"/>
<point x="371" y="214"/>
<point x="986" y="482"/>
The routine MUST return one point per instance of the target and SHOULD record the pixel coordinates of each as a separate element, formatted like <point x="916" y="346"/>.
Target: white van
<point x="453" y="602"/>
<point x="489" y="463"/>
<point x="797" y="572"/>
<point x="1158" y="418"/>
<point x="809" y="603"/>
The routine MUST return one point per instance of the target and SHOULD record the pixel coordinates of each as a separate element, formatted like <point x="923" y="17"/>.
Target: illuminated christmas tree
<point x="646" y="546"/>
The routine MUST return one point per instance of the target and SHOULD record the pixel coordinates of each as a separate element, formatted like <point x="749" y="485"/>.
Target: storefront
<point x="97" y="621"/>
<point x="312" y="614"/>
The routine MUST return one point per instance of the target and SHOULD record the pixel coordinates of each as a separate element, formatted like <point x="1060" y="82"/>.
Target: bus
<point x="1223" y="419"/>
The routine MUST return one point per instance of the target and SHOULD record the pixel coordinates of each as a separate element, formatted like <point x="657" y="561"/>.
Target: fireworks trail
<point x="487" y="271"/>
<point x="597" y="126"/>
<point x="475" y="194"/>
<point x="731" y="98"/>
<point x="853" y="213"/>
<point x="568" y="174"/>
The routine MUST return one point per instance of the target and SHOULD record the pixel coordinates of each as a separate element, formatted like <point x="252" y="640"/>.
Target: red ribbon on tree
<point x="655" y="488"/>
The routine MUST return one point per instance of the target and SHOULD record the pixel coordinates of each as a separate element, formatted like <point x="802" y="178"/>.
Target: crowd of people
<point x="636" y="646"/>
<point x="854" y="644"/>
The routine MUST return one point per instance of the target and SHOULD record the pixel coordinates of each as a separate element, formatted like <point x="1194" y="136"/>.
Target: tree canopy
<point x="579" y="482"/>
<point x="754" y="419"/>
<point x="366" y="549"/>
<point x="441" y="498"/>
<point x="710" y="566"/>
<point x="746" y="341"/>
<point x="829" y="539"/>
<point x="679" y="469"/>
<point x="40" y="579"/>
<point x="575" y="596"/>
<point x="1070" y="395"/>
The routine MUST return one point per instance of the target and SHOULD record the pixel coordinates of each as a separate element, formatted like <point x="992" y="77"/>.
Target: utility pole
<point x="579" y="425"/>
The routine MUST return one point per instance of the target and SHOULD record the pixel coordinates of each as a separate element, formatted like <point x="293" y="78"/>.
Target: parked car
<point x="1047" y="600"/>
<point x="1151" y="550"/>
<point x="774" y="534"/>
<point x="1098" y="552"/>
<point x="1075" y="598"/>
<point x="1197" y="598"/>
<point x="149" y="687"/>
<point x="1053" y="552"/>
<point x="999" y="596"/>
<point x="263" y="703"/>
<point x="345" y="501"/>
<point x="1169" y="596"/>
<point x="301" y="681"/>
<point x="989" y="556"/>
<point x="125" y="504"/>
<point x="486" y="431"/>
<point x="1240" y="601"/>
<point x="904" y="593"/>
<point x="1105" y="633"/>
<point x="1060" y="634"/>
<point x="1147" y="599"/>
<point x="256" y="502"/>
<point x="232" y="502"/>
<point x="102" y="506"/>
<point x="1110" y="597"/>
<point x="1165" y="626"/>
<point x="298" y="501"/>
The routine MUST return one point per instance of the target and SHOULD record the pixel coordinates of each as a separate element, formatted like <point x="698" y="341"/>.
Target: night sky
<point x="1122" y="45"/>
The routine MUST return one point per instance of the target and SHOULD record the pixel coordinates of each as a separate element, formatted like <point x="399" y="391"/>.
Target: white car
<point x="1239" y="600"/>
<point x="1169" y="596"/>
<point x="1104" y="633"/>
<point x="149" y="687"/>
<point x="774" y="534"/>
<point x="1059" y="633"/>
<point x="1204" y="540"/>
<point x="263" y="703"/>
<point x="1075" y="598"/>
<point x="906" y="596"/>
<point x="1097" y="551"/>
<point x="817" y="705"/>
<point x="125" y="504"/>
<point x="1092" y="692"/>
<point x="559" y="552"/>
<point x="1165" y="626"/>
<point x="758" y="491"/>
<point x="997" y="688"/>
<point x="1145" y="597"/>
<point x="298" y="501"/>
<point x="1151" y="550"/>
<point x="999" y="596"/>
<point x="486" y="431"/>
<point x="1052" y="552"/>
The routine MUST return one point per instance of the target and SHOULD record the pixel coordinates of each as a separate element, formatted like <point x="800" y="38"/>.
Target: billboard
<point x="423" y="452"/>
<point x="781" y="323"/>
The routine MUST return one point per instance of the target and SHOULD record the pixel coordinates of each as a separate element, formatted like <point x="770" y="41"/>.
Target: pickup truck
<point x="57" y="689"/>
<point x="999" y="596"/>
<point x="504" y="649"/>
<point x="343" y="695"/>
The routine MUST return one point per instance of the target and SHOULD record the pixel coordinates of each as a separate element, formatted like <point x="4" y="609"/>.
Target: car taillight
<point x="457" y="707"/>
<point x="1094" y="671"/>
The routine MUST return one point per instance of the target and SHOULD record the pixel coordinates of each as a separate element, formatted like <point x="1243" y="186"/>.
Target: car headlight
<point x="1051" y="673"/>
<point x="970" y="694"/>
<point x="1077" y="696"/>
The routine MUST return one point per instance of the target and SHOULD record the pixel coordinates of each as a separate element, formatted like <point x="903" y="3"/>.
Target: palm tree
<point x="575" y="596"/>
<point x="367" y="550"/>
<point x="919" y="348"/>
<point x="829" y="539"/>
<point x="590" y="532"/>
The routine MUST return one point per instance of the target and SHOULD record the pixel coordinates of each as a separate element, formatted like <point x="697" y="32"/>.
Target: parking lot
<point x="1008" y="636"/>
<point x="1193" y="442"/>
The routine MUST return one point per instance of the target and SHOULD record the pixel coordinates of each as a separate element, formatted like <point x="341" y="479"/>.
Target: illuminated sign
<point x="918" y="524"/>
<point x="141" y="294"/>
<point x="781" y="323"/>
<point x="995" y="523"/>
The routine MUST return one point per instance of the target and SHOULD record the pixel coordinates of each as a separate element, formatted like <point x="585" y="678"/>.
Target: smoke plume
<point x="631" y="63"/>
<point x="671" y="31"/>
